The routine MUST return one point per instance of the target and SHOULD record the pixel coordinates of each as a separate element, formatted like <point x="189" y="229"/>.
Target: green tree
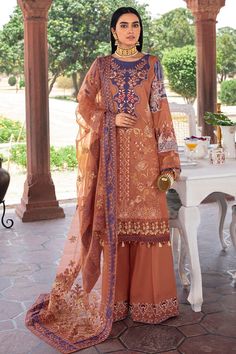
<point x="78" y="31"/>
<point x="173" y="29"/>
<point x="226" y="52"/>
<point x="12" y="45"/>
<point x="180" y="67"/>
<point x="228" y="92"/>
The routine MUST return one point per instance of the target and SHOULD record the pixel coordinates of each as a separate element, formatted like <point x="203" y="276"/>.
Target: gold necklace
<point x="130" y="52"/>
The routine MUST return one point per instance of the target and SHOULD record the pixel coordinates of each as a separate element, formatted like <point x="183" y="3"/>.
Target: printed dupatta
<point x="78" y="312"/>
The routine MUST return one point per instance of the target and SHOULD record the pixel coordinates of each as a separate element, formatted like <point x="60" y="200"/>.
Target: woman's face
<point x="128" y="30"/>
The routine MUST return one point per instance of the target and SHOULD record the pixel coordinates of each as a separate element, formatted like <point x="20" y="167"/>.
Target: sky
<point x="226" y="16"/>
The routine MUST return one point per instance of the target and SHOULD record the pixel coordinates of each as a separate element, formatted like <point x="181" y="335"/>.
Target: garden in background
<point x="78" y="32"/>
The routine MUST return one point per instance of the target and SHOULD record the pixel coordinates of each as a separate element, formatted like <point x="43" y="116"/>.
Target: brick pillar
<point x="205" y="13"/>
<point x="39" y="200"/>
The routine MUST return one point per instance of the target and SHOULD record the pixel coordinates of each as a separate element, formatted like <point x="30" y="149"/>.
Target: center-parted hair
<point x="115" y="17"/>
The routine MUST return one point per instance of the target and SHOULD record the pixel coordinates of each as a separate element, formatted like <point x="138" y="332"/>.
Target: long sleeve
<point x="90" y="108"/>
<point x="165" y="135"/>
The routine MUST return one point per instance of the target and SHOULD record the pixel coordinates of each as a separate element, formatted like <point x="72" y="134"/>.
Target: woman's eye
<point x="136" y="25"/>
<point x="123" y="26"/>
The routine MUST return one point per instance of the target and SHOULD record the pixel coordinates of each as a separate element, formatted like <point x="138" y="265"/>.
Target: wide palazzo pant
<point x="145" y="283"/>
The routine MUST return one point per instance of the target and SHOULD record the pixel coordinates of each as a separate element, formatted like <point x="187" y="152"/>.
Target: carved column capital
<point x="204" y="10"/>
<point x="35" y="9"/>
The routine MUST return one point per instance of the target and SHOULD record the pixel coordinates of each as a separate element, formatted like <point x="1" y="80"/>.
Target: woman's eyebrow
<point x="126" y="23"/>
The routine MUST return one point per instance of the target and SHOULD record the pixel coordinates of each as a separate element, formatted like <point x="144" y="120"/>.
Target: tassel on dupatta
<point x="78" y="312"/>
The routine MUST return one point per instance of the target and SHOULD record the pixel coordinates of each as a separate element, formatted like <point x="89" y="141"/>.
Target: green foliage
<point x="10" y="127"/>
<point x="78" y="31"/>
<point x="180" y="66"/>
<point x="63" y="158"/>
<point x="175" y="29"/>
<point x="2" y="157"/>
<point x="226" y="52"/>
<point x="217" y="119"/>
<point x="12" y="81"/>
<point x="12" y="45"/>
<point x="21" y="83"/>
<point x="63" y="97"/>
<point x="18" y="154"/>
<point x="228" y="92"/>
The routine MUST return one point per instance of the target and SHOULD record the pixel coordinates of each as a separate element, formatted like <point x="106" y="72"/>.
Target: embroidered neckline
<point x="146" y="56"/>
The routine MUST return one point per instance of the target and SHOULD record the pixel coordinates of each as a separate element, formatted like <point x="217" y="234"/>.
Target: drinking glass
<point x="191" y="145"/>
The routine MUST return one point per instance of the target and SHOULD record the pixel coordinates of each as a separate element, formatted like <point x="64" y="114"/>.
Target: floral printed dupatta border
<point x="78" y="312"/>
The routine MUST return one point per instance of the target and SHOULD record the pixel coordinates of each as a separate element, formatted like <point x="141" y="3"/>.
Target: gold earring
<point x="116" y="38"/>
<point x="138" y="44"/>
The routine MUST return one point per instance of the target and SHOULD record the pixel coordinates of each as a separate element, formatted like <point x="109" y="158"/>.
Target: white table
<point x="194" y="185"/>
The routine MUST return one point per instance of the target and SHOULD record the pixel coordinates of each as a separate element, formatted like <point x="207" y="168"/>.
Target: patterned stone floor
<point x="28" y="255"/>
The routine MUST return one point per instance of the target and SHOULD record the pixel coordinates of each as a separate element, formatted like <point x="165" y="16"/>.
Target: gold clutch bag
<point x="165" y="181"/>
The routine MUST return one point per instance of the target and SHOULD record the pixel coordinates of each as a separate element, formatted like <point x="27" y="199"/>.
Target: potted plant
<point x="225" y="127"/>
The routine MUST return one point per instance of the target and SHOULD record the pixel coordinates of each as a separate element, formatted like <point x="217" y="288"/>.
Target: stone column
<point x="39" y="200"/>
<point x="205" y="13"/>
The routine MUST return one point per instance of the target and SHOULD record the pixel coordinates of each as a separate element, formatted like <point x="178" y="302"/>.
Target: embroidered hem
<point x="146" y="313"/>
<point x="120" y="310"/>
<point x="145" y="238"/>
<point x="143" y="231"/>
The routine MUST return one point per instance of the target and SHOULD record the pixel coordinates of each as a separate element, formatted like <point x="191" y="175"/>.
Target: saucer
<point x="188" y="163"/>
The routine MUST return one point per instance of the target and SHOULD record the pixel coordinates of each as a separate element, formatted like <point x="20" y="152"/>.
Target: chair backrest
<point x="184" y="121"/>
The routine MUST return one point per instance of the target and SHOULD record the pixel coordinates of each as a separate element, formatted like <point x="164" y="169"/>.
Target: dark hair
<point x="115" y="17"/>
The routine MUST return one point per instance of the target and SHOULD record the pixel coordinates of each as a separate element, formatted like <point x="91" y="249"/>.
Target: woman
<point x="117" y="258"/>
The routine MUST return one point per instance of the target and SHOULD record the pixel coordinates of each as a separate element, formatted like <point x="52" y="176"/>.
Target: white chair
<point x="177" y="236"/>
<point x="184" y="121"/>
<point x="233" y="226"/>
<point x="178" y="231"/>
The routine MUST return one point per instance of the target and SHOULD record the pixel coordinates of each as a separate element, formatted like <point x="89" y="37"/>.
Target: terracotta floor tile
<point x="214" y="280"/>
<point x="192" y="330"/>
<point x="130" y="323"/>
<point x="4" y="283"/>
<point x="227" y="289"/>
<point x="44" y="348"/>
<point x="20" y="321"/>
<point x="229" y="302"/>
<point x="17" y="342"/>
<point x="117" y="329"/>
<point x="222" y="323"/>
<point x="210" y="295"/>
<point x="9" y="309"/>
<point x="26" y="293"/>
<point x="45" y="274"/>
<point x="123" y="351"/>
<point x="151" y="338"/>
<point x="182" y="294"/>
<point x="41" y="257"/>
<point x="42" y="243"/>
<point x="6" y="325"/>
<point x="110" y="345"/>
<point x="12" y="253"/>
<point x="91" y="350"/>
<point x="208" y="344"/>
<point x="18" y="269"/>
<point x="212" y="307"/>
<point x="186" y="316"/>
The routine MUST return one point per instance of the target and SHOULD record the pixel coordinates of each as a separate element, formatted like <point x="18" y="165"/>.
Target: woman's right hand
<point x="125" y="120"/>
